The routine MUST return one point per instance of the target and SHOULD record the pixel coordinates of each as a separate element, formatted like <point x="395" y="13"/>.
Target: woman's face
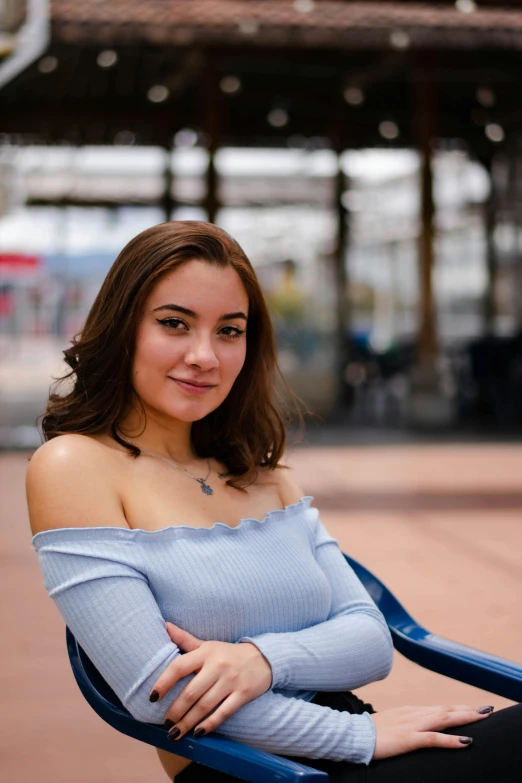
<point x="191" y="341"/>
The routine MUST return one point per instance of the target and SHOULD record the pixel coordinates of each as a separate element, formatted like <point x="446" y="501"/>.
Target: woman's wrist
<point x="263" y="656"/>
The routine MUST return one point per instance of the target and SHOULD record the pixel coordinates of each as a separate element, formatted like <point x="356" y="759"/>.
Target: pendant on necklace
<point x="205" y="487"/>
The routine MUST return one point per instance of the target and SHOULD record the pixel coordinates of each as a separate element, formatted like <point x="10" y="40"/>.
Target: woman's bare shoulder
<point x="289" y="489"/>
<point x="72" y="482"/>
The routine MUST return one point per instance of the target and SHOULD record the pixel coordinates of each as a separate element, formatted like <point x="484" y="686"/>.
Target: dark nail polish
<point x="154" y="696"/>
<point x="199" y="733"/>
<point x="169" y="723"/>
<point x="484" y="710"/>
<point x="174" y="733"/>
<point x="466" y="740"/>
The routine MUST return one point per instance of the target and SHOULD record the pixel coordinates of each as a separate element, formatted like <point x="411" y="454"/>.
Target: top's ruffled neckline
<point x="133" y="533"/>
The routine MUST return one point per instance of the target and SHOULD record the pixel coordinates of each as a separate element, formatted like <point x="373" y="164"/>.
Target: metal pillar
<point x="489" y="305"/>
<point x="211" y="199"/>
<point x="212" y="114"/>
<point x="425" y="113"/>
<point x="167" y="201"/>
<point x="342" y="320"/>
<point x="429" y="404"/>
<point x="515" y="207"/>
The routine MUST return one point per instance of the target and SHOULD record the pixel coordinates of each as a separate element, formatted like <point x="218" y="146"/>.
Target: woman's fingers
<point x="438" y="708"/>
<point x="448" y="718"/>
<point x="225" y="710"/>
<point x="403" y="729"/>
<point x="179" y="668"/>
<point x="431" y="739"/>
<point x="183" y="639"/>
<point x="197" y="716"/>
<point x="191" y="694"/>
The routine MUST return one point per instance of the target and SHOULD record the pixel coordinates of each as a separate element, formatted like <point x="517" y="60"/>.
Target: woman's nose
<point x="202" y="354"/>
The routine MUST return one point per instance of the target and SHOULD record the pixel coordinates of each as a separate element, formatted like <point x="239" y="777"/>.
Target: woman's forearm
<point x="352" y="647"/>
<point x="343" y="653"/>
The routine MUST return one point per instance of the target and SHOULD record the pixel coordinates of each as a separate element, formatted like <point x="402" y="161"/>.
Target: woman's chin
<point x="190" y="413"/>
<point x="185" y="410"/>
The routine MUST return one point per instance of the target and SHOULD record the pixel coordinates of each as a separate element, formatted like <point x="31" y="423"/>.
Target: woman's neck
<point x="170" y="439"/>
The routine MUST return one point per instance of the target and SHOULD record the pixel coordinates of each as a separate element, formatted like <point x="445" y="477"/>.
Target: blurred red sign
<point x="17" y="264"/>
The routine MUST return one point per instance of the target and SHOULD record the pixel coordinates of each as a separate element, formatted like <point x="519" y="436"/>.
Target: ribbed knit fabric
<point x="281" y="583"/>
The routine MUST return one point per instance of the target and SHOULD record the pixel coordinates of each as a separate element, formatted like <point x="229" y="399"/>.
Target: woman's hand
<point x="229" y="675"/>
<point x="403" y="729"/>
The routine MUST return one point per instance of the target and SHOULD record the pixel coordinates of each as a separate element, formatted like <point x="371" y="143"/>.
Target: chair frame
<point x="466" y="664"/>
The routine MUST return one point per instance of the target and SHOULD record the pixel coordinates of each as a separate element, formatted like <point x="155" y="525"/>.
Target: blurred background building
<point x="366" y="155"/>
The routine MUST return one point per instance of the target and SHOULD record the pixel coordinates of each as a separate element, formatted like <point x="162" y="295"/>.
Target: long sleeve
<point x="351" y="648"/>
<point x="102" y="593"/>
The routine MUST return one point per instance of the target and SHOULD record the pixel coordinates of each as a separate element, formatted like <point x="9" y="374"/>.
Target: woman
<point x="160" y="497"/>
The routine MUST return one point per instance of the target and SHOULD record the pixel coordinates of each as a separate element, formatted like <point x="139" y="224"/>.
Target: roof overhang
<point x="295" y="24"/>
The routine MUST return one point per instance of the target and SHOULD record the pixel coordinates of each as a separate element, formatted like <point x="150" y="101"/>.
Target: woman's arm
<point x="352" y="647"/>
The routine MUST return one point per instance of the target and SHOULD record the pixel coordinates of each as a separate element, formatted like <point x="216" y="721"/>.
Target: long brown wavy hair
<point x="247" y="430"/>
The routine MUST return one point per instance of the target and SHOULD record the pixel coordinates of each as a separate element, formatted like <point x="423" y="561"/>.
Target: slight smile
<point x="193" y="388"/>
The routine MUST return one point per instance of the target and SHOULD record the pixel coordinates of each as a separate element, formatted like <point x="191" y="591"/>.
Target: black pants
<point x="494" y="757"/>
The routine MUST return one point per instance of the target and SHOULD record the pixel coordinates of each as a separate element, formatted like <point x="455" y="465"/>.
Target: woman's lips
<point x="190" y="387"/>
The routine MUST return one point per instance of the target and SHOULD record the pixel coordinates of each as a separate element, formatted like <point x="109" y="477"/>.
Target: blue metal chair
<point x="441" y="655"/>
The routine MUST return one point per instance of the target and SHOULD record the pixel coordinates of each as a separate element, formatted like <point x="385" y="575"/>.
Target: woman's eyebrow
<point x="192" y="314"/>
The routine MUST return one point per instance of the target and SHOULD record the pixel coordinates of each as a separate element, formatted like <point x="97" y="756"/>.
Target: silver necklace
<point x="205" y="488"/>
<point x="201" y="481"/>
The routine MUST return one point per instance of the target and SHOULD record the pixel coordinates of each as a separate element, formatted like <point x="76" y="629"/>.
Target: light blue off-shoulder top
<point x="281" y="583"/>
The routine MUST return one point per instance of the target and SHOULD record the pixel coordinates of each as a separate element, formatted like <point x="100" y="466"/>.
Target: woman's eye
<point x="175" y="324"/>
<point x="232" y="332"/>
<point x="171" y="323"/>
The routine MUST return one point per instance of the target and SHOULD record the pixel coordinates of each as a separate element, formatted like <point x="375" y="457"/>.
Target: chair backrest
<point x="394" y="612"/>
<point x="97" y="692"/>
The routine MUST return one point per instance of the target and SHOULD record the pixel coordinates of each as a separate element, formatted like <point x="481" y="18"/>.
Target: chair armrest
<point x="455" y="660"/>
<point x="233" y="758"/>
<point x="481" y="669"/>
<point x="243" y="761"/>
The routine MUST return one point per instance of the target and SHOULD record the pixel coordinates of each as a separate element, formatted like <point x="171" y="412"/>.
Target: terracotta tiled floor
<point x="441" y="526"/>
